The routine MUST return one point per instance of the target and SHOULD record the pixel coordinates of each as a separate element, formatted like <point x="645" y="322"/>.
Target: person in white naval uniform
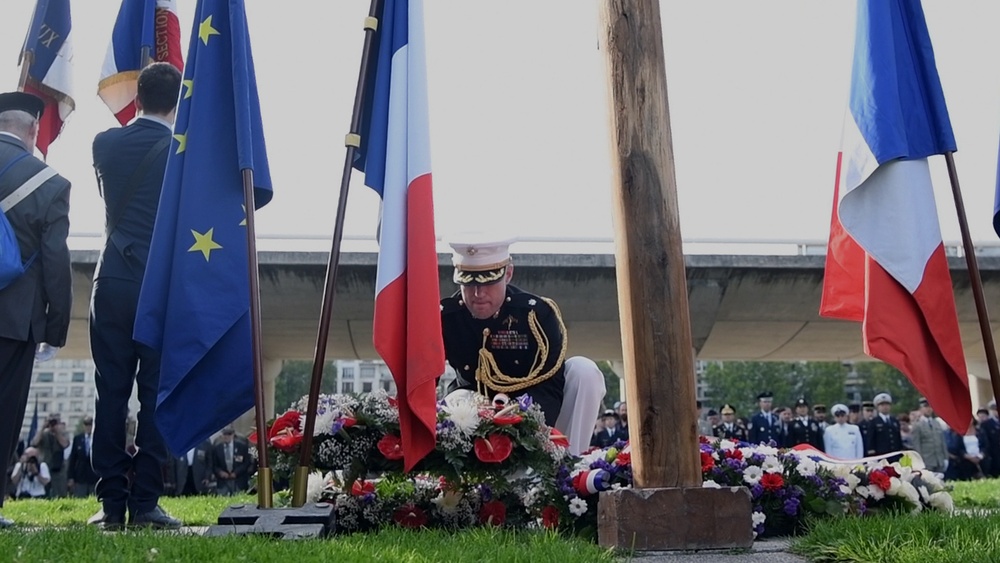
<point x="843" y="440"/>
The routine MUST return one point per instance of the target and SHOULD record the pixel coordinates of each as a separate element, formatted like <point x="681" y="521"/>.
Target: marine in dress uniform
<point x="805" y="429"/>
<point x="883" y="434"/>
<point x="764" y="424"/>
<point x="35" y="307"/>
<point x="501" y="339"/>
<point x="819" y="415"/>
<point x="842" y="439"/>
<point x="730" y="428"/>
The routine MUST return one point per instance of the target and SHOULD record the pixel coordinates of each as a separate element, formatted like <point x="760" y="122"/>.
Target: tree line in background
<point x="736" y="383"/>
<point x="827" y="383"/>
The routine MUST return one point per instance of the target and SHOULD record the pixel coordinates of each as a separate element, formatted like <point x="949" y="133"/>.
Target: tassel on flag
<point x="144" y="28"/>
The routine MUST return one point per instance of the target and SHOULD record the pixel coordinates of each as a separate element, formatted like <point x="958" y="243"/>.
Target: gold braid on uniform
<point x="488" y="373"/>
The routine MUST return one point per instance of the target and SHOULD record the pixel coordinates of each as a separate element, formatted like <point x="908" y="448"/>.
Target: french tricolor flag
<point x="395" y="158"/>
<point x="886" y="265"/>
<point x="49" y="53"/>
<point x="149" y="24"/>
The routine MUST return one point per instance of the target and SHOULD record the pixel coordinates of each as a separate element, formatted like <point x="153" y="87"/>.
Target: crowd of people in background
<point x="846" y="431"/>
<point x="55" y="464"/>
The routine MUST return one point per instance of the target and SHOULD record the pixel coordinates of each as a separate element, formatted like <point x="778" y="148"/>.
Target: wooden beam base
<point x="664" y="519"/>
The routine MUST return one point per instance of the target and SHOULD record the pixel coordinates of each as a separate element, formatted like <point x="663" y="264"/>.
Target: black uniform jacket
<point x="510" y="341"/>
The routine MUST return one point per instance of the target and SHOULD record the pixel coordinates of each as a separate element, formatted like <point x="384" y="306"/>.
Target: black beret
<point x="22" y="101"/>
<point x="765" y="395"/>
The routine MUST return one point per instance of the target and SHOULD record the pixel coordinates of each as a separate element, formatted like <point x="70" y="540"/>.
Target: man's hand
<point x="45" y="352"/>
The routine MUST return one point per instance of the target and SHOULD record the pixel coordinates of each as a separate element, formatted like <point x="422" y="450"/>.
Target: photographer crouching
<point x="30" y="475"/>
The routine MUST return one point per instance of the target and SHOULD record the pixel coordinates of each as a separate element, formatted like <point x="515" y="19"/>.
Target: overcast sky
<point x="757" y="92"/>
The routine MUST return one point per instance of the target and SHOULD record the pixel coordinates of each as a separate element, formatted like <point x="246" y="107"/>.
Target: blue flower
<point x="792" y="506"/>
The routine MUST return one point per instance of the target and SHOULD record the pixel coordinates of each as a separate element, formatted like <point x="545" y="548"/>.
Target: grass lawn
<point x="55" y="531"/>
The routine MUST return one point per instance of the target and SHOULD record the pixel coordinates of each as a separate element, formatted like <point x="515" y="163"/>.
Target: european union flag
<point x="195" y="301"/>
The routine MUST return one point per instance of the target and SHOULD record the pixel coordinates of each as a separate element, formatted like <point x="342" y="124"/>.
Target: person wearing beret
<point x="883" y="435"/>
<point x="764" y="425"/>
<point x="730" y="428"/>
<point x="501" y="339"/>
<point x="34" y="307"/>
<point x="130" y="162"/>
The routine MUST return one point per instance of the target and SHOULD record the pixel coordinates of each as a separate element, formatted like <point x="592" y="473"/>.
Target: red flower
<point x="558" y="438"/>
<point x="409" y="516"/>
<point x="702" y="439"/>
<point x="734" y="454"/>
<point x="493" y="513"/>
<point x="391" y="447"/>
<point x="890" y="471"/>
<point x="348" y="421"/>
<point x="508" y="420"/>
<point x="707" y="462"/>
<point x="287" y="443"/>
<point x="290" y="421"/>
<point x="550" y="517"/>
<point x="360" y="488"/>
<point x="772" y="482"/>
<point x="492" y="449"/>
<point x="624" y="458"/>
<point x="879" y="479"/>
<point x="393" y="402"/>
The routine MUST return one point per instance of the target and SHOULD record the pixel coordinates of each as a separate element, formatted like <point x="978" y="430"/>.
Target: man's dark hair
<point x="158" y="87"/>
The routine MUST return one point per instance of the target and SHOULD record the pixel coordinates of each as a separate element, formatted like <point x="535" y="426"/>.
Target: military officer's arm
<point x="57" y="273"/>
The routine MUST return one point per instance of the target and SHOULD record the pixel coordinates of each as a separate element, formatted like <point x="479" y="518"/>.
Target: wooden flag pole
<point x="27" y="58"/>
<point x="353" y="141"/>
<point x="668" y="508"/>
<point x="264" y="482"/>
<point x="974" y="278"/>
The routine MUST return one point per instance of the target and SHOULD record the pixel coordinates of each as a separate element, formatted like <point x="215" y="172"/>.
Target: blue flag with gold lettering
<point x="194" y="306"/>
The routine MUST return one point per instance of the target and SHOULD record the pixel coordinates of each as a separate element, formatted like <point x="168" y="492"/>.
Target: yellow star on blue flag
<point x="195" y="302"/>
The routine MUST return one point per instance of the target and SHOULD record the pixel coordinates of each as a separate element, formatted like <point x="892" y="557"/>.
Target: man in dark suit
<point x="81" y="474"/>
<point x="35" y="307"/>
<point x="764" y="425"/>
<point x="232" y="463"/>
<point x="610" y="433"/>
<point x="731" y="428"/>
<point x="130" y="163"/>
<point x="805" y="429"/>
<point x="883" y="435"/>
<point x="192" y="472"/>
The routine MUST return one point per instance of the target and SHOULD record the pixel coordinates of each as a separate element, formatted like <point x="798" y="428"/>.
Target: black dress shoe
<point x="155" y="518"/>
<point x="111" y="521"/>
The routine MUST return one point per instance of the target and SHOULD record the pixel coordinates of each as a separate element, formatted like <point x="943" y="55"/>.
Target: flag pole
<point x="974" y="277"/>
<point x="264" y="483"/>
<point x="27" y="58"/>
<point x="353" y="141"/>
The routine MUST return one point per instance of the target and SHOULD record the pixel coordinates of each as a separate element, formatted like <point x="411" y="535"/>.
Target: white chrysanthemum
<point x="758" y="518"/>
<point x="590" y="458"/>
<point x="323" y="423"/>
<point x="710" y="484"/>
<point x="876" y="493"/>
<point x="752" y="475"/>
<point x="941" y="500"/>
<point x="530" y="496"/>
<point x="806" y="467"/>
<point x="314" y="486"/>
<point x="578" y="506"/>
<point x="726" y="444"/>
<point x="465" y="416"/>
<point x="765" y="450"/>
<point x="862" y="491"/>
<point x="772" y="465"/>
<point x="747" y="452"/>
<point x="447" y="501"/>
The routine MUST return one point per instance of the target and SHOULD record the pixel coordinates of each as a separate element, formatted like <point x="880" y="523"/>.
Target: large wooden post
<point x="668" y="508"/>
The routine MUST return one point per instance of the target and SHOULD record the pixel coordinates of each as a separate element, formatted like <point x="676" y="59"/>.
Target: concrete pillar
<point x="618" y="366"/>
<point x="980" y="387"/>
<point x="247" y="421"/>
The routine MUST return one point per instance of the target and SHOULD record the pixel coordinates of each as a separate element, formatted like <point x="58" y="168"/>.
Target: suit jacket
<point x="39" y="301"/>
<point x="201" y="468"/>
<point x="80" y="469"/>
<point x="761" y="431"/>
<point x="243" y="464"/>
<point x="883" y="437"/>
<point x="117" y="154"/>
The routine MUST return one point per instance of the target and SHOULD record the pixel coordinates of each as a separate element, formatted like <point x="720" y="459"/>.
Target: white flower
<point x="323" y="423"/>
<point x="578" y="506"/>
<point x="314" y="486"/>
<point x="894" y="485"/>
<point x="806" y="467"/>
<point x="924" y="493"/>
<point x="845" y="489"/>
<point x="710" y="484"/>
<point x="941" y="500"/>
<point x="909" y="492"/>
<point x="772" y="465"/>
<point x="758" y="518"/>
<point x="765" y="450"/>
<point x="726" y="444"/>
<point x="464" y="415"/>
<point x="852" y="480"/>
<point x="932" y="480"/>
<point x="876" y="493"/>
<point x="447" y="501"/>
<point x="752" y="475"/>
<point x="862" y="491"/>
